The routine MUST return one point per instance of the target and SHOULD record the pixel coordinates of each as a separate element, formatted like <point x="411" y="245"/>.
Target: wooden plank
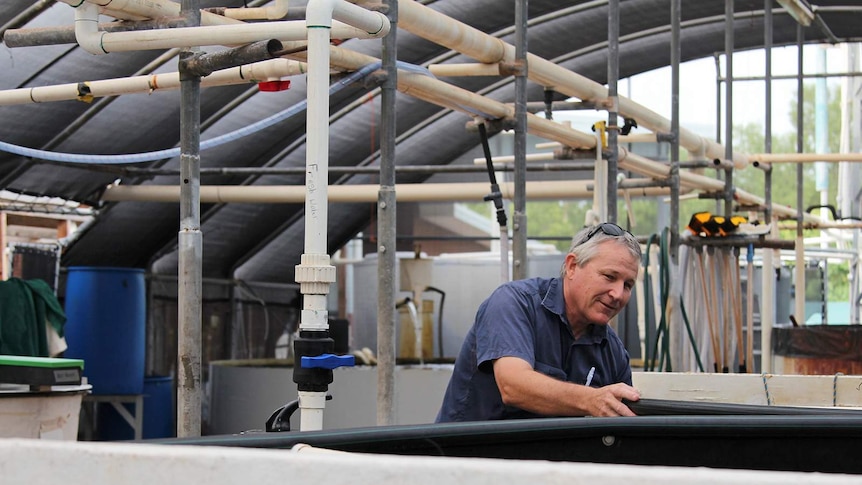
<point x="781" y="390"/>
<point x="42" y="219"/>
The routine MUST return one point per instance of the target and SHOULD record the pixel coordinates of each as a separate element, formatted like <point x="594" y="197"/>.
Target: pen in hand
<point x="590" y="376"/>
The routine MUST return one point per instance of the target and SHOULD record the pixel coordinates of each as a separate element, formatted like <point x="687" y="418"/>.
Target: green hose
<point x="648" y="362"/>
<point x="659" y="359"/>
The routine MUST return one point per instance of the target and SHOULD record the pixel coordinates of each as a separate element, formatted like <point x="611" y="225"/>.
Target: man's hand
<point x="521" y="386"/>
<point x="607" y="400"/>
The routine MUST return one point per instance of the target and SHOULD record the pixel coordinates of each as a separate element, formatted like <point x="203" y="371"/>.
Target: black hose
<point x="495" y="196"/>
<point x="440" y="353"/>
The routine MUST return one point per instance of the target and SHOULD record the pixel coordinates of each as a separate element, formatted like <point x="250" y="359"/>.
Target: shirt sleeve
<point x="505" y="327"/>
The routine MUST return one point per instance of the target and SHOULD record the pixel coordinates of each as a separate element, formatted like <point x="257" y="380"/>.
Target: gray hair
<point x="585" y="247"/>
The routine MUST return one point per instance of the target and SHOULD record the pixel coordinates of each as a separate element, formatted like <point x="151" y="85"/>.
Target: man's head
<point x="598" y="273"/>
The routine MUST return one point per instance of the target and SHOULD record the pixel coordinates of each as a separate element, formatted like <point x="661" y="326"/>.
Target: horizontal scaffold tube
<point x="286" y="194"/>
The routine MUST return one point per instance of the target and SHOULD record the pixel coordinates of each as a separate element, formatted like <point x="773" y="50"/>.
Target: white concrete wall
<point x="37" y="462"/>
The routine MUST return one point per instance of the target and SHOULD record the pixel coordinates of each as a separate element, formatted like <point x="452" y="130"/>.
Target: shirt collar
<point x="556" y="303"/>
<point x="554" y="300"/>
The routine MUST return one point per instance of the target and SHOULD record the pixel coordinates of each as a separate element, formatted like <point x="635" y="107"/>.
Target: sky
<point x="698" y="88"/>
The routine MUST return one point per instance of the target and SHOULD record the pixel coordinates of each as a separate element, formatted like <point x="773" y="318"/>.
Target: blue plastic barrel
<point x="159" y="407"/>
<point x="106" y="326"/>
<point x="158" y="419"/>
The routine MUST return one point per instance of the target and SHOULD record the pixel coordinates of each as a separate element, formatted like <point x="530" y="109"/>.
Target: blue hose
<point x="206" y="144"/>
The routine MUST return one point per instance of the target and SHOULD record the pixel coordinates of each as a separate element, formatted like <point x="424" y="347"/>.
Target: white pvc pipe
<point x="842" y="224"/>
<point x="455" y="70"/>
<point x="284" y="194"/>
<point x="805" y="157"/>
<point x="149" y="9"/>
<point x="622" y="139"/>
<point x="270" y="12"/>
<point x="374" y="23"/>
<point x="311" y="405"/>
<point x="317" y="126"/>
<point x="87" y="28"/>
<point x="600" y="179"/>
<point x="95" y="41"/>
<point x="268" y="70"/>
<point x="509" y="159"/>
<point x="319" y="15"/>
<point x="305" y="448"/>
<point x="416" y="320"/>
<point x="314" y="273"/>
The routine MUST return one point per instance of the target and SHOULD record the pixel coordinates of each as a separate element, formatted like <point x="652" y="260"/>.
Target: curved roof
<point x="263" y="242"/>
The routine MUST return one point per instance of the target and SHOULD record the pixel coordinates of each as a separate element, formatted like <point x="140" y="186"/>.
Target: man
<point x="542" y="346"/>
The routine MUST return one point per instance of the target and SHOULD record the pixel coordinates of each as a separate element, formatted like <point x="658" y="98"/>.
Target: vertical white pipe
<point x="821" y="138"/>
<point x="600" y="196"/>
<point x="311" y="405"/>
<point x="314" y="273"/>
<point x="317" y="144"/>
<point x="416" y="320"/>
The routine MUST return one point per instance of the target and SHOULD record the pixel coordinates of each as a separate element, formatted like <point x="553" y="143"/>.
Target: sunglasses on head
<point x="607" y="228"/>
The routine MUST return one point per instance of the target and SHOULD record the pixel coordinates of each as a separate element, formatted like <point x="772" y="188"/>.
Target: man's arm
<point x="523" y="387"/>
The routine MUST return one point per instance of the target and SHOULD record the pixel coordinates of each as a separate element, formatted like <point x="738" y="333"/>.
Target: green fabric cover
<point x="25" y="305"/>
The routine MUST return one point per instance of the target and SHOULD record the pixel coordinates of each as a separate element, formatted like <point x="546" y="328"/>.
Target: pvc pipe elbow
<point x="273" y="12"/>
<point x="318" y="13"/>
<point x="87" y="32"/>
<point x="379" y="27"/>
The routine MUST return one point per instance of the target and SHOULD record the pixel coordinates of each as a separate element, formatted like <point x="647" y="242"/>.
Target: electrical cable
<point x="497" y="198"/>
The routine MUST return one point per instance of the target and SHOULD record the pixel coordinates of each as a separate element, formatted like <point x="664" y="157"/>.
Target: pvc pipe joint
<point x="87" y="32"/>
<point x="311" y="406"/>
<point x="320" y="13"/>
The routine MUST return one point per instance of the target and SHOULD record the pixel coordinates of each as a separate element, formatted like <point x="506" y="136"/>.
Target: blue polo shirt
<point x="527" y="319"/>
